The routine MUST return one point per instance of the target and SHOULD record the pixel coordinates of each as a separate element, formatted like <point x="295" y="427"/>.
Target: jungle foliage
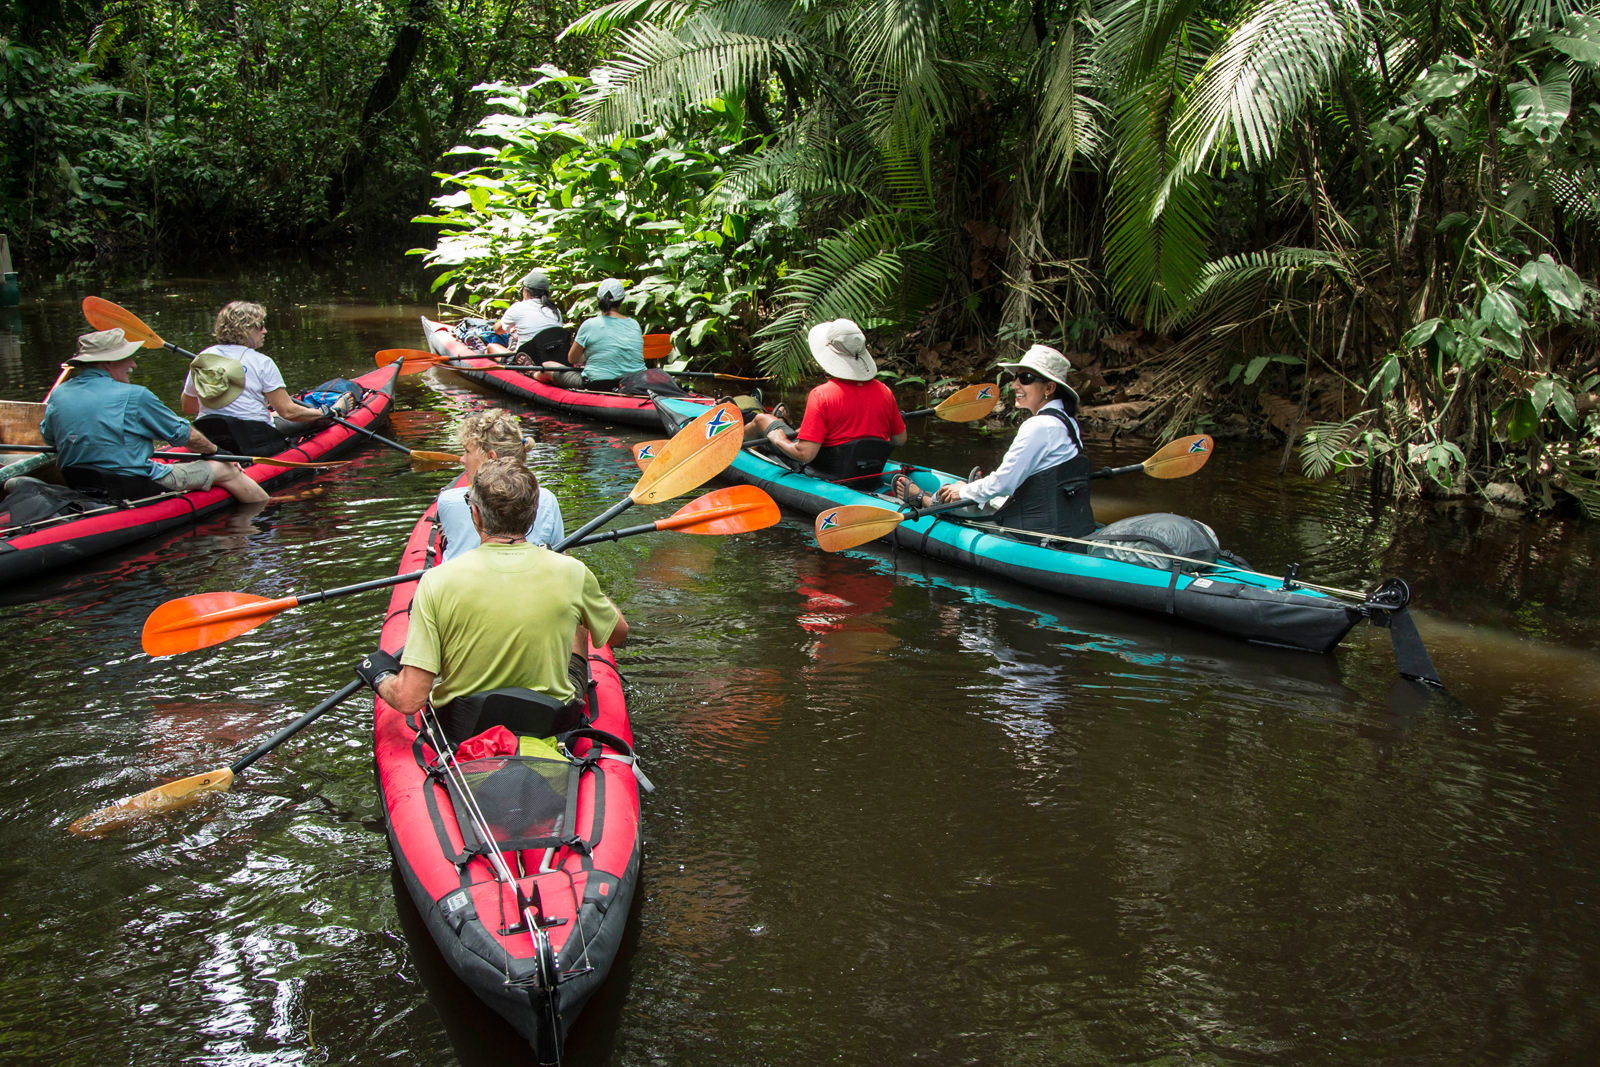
<point x="1372" y="228"/>
<point x="238" y="124"/>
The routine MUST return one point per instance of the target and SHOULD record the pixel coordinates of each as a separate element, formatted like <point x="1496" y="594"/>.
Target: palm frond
<point x="1072" y="122"/>
<point x="620" y="14"/>
<point x="1326" y="445"/>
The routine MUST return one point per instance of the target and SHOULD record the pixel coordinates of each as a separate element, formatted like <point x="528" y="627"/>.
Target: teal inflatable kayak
<point x="1221" y="597"/>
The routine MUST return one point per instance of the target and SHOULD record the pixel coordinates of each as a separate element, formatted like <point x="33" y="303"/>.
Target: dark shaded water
<point x="903" y="815"/>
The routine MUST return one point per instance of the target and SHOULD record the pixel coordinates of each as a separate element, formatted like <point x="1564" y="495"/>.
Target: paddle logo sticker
<point x="646" y="453"/>
<point x="1198" y="446"/>
<point x="828" y="521"/>
<point x="986" y="393"/>
<point x="719" y="421"/>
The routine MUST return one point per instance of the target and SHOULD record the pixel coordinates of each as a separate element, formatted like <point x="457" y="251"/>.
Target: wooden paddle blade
<point x="854" y="524"/>
<point x="104" y="315"/>
<point x="19" y="422"/>
<point x="410" y="355"/>
<point x="268" y="461"/>
<point x="645" y="451"/>
<point x="443" y="458"/>
<point x="1181" y="457"/>
<point x="696" y="454"/>
<point x="736" y="509"/>
<point x="657" y="345"/>
<point x="179" y="794"/>
<point x="206" y="619"/>
<point x="966" y="405"/>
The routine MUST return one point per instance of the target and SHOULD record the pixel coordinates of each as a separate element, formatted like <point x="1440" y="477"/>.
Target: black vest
<point x="853" y="462"/>
<point x="1056" y="499"/>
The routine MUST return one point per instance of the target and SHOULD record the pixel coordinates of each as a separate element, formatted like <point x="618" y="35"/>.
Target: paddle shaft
<point x="295" y="727"/>
<point x="577" y="536"/>
<point x="396" y="445"/>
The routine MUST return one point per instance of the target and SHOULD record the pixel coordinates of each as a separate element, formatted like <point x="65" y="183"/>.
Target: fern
<point x="1325" y="446"/>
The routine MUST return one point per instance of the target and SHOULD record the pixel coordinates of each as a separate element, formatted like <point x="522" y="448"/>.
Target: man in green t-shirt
<point x="505" y="614"/>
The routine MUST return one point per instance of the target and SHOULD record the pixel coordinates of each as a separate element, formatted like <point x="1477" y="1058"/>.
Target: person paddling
<point x="508" y="614"/>
<point x="104" y="430"/>
<point x="609" y="347"/>
<point x="528" y="317"/>
<point x="1045" y="472"/>
<point x="851" y="422"/>
<point x="492" y="434"/>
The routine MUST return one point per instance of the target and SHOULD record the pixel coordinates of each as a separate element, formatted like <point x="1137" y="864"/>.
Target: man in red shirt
<point x="851" y="420"/>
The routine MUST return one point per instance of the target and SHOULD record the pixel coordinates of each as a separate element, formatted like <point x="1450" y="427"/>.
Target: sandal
<point x="780" y="411"/>
<point x="904" y="488"/>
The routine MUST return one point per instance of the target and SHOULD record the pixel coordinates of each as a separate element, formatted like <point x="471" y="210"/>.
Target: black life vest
<point x="522" y="711"/>
<point x="853" y="462"/>
<point x="1056" y="499"/>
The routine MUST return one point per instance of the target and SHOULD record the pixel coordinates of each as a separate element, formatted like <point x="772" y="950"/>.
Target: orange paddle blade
<point x="966" y="405"/>
<point x="179" y="794"/>
<point x="657" y="345"/>
<point x="696" y="454"/>
<point x="854" y="524"/>
<point x="1182" y="457"/>
<point x="645" y="451"/>
<point x="206" y="619"/>
<point x="735" y="509"/>
<point x="415" y="359"/>
<point x="104" y="315"/>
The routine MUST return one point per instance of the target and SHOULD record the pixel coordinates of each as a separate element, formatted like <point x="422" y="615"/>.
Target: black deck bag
<point x="1172" y="535"/>
<point x="29" y="500"/>
<point x="649" y="382"/>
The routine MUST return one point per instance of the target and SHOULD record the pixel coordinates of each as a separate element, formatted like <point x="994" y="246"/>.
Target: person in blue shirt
<point x="489" y="435"/>
<point x="608" y="347"/>
<point x="104" y="430"/>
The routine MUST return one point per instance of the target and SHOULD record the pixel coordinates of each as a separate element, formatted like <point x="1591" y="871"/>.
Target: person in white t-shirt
<point x="534" y="312"/>
<point x="236" y="381"/>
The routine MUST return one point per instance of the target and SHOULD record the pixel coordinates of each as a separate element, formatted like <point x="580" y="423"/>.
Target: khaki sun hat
<point x="840" y="348"/>
<point x="217" y="379"/>
<point x="1047" y="363"/>
<point x="105" y="346"/>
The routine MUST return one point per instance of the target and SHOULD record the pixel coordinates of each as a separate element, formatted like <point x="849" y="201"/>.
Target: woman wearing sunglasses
<point x="1045" y="473"/>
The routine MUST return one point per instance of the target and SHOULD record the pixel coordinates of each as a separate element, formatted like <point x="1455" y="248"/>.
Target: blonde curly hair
<point x="237" y="321"/>
<point x="494" y="430"/>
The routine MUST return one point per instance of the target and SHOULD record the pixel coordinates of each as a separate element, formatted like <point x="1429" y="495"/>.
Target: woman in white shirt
<point x="235" y="381"/>
<point x="527" y="317"/>
<point x="1044" y="476"/>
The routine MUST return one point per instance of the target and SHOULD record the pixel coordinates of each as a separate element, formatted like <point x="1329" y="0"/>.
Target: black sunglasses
<point x="1026" y="377"/>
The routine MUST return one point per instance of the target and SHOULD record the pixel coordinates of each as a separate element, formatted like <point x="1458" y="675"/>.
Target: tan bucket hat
<point x="217" y="379"/>
<point x="1047" y="363"/>
<point x="840" y="348"/>
<point x="105" y="346"/>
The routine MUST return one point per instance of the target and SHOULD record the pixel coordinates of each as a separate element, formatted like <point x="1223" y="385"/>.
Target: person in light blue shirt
<point x="104" y="429"/>
<point x="608" y="347"/>
<point x="488" y="435"/>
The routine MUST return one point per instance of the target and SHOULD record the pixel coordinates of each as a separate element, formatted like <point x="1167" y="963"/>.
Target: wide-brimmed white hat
<point x="105" y="346"/>
<point x="840" y="348"/>
<point x="1047" y="363"/>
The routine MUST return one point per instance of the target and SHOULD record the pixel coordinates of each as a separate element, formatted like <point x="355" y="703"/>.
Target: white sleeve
<point x="1021" y="460"/>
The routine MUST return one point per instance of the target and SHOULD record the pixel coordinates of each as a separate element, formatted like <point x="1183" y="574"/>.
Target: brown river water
<point x="904" y="814"/>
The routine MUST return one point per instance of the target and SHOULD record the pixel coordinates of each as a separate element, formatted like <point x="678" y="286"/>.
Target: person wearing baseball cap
<point x="608" y="347"/>
<point x="1044" y="477"/>
<point x="528" y="317"/>
<point x="851" y="421"/>
<point x="104" y="429"/>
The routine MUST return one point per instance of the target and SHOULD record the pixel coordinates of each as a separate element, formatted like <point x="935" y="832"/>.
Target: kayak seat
<point x="549" y="345"/>
<point x="526" y="712"/>
<point x="853" y="463"/>
<point x="242" y="437"/>
<point x="108" y="485"/>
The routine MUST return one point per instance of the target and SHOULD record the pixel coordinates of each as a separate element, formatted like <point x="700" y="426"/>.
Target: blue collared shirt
<point x="455" y="521"/>
<point x="93" y="420"/>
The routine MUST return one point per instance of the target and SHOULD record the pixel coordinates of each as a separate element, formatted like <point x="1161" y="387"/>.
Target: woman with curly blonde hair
<point x="236" y="390"/>
<point x="492" y="434"/>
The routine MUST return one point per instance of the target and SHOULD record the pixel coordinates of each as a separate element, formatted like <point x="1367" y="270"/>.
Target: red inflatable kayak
<point x="30" y="549"/>
<point x="534" y="933"/>
<point x="617" y="408"/>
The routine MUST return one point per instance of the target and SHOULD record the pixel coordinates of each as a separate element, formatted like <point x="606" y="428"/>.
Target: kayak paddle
<point x="731" y="510"/>
<point x="696" y="454"/>
<point x="186" y="791"/>
<point x="205" y="619"/>
<point x="225" y="457"/>
<point x="416" y="454"/>
<point x="850" y="525"/>
<point x="963" y="405"/>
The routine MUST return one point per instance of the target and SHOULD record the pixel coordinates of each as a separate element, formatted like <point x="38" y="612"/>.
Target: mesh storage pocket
<point x="527" y="803"/>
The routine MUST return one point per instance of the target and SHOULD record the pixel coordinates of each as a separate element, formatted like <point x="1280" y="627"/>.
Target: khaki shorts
<point x="185" y="477"/>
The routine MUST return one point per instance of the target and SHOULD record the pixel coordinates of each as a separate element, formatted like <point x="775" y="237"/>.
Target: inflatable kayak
<point x="617" y="408"/>
<point x="1221" y="598"/>
<point x="30" y="548"/>
<point x="531" y="926"/>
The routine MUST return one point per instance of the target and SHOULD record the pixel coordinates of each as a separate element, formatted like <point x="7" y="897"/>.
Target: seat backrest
<point x="853" y="462"/>
<point x="550" y="343"/>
